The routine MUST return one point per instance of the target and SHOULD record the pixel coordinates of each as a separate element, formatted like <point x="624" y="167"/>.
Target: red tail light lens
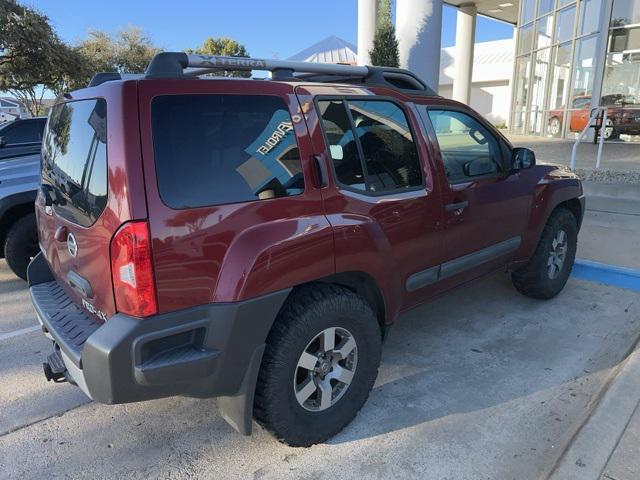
<point x="132" y="271"/>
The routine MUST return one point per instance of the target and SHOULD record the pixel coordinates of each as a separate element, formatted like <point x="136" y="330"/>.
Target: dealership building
<point x="491" y="73"/>
<point x="570" y="56"/>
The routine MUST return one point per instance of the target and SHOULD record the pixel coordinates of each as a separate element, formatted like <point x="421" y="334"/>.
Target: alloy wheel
<point x="608" y="130"/>
<point x="557" y="255"/>
<point x="325" y="369"/>
<point x="554" y="127"/>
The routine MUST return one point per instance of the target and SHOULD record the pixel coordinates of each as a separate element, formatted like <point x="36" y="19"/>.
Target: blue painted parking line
<point x="608" y="274"/>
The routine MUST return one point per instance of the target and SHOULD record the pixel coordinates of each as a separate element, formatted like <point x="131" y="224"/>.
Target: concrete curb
<point x="626" y="191"/>
<point x="588" y="453"/>
<point x="622" y="277"/>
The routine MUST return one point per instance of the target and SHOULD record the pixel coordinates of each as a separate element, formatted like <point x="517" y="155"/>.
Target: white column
<point x="465" y="39"/>
<point x="367" y="16"/>
<point x="418" y="29"/>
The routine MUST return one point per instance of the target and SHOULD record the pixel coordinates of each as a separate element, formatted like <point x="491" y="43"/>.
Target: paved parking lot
<point x="483" y="383"/>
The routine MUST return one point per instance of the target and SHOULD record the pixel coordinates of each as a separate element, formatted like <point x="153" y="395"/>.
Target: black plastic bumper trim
<point x="458" y="265"/>
<point x="222" y="360"/>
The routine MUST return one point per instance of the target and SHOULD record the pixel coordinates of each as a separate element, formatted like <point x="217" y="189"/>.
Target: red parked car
<point x="254" y="240"/>
<point x="623" y="116"/>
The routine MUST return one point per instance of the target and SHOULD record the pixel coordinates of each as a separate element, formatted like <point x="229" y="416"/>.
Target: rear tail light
<point x="132" y="271"/>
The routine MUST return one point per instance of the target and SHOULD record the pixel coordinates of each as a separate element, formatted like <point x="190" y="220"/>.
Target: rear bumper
<point x="204" y="351"/>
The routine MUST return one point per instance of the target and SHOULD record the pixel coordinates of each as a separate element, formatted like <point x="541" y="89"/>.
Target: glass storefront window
<point x="544" y="6"/>
<point x="589" y="16"/>
<point x="556" y="58"/>
<point x="564" y="24"/>
<point x="540" y="69"/>
<point x="535" y="122"/>
<point x="525" y="45"/>
<point x="560" y="76"/>
<point x="544" y="29"/>
<point x="522" y="83"/>
<point x="621" y="85"/>
<point x="625" y="12"/>
<point x="624" y="39"/>
<point x="528" y="11"/>
<point x="517" y="122"/>
<point x="583" y="67"/>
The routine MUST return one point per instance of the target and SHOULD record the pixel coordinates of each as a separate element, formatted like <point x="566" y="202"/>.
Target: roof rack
<point x="180" y="64"/>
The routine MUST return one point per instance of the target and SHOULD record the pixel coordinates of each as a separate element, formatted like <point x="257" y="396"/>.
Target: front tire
<point x="555" y="127"/>
<point x="548" y="270"/>
<point x="609" y="132"/>
<point x="21" y="244"/>
<point x="319" y="365"/>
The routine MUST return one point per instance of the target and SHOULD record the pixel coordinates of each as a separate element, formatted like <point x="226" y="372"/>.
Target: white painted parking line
<point x="15" y="333"/>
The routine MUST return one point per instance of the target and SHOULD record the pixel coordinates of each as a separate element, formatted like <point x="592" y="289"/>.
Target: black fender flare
<point x="22" y="198"/>
<point x="9" y="202"/>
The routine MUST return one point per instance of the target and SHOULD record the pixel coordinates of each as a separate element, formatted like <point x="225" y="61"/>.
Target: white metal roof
<point x="330" y="50"/>
<point x="492" y="62"/>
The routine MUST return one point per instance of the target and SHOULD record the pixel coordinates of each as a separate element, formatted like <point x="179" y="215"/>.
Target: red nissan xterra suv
<point x="253" y="240"/>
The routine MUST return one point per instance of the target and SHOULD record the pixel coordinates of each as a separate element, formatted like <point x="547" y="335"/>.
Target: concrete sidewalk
<point x="606" y="445"/>
<point x="611" y="229"/>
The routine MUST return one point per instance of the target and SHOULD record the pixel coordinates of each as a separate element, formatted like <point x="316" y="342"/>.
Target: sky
<point x="269" y="29"/>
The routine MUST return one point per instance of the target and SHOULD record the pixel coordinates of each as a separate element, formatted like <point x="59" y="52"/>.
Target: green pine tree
<point x="385" y="44"/>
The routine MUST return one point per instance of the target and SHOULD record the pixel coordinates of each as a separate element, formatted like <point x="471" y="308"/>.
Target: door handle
<point x="321" y="171"/>
<point x="452" y="207"/>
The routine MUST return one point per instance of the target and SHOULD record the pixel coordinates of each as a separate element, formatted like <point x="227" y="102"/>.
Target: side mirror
<point x="479" y="167"/>
<point x="3" y="141"/>
<point x="522" y="158"/>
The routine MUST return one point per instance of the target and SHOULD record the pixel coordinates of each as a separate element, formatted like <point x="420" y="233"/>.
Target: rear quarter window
<point x="218" y="149"/>
<point x="74" y="159"/>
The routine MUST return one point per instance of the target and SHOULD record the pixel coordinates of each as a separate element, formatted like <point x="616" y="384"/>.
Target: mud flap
<point x="237" y="410"/>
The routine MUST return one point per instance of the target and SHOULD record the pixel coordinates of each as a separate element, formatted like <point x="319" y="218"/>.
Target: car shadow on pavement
<point x="486" y="345"/>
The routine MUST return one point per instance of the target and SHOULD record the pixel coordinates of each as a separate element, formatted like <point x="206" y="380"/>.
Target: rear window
<point x="216" y="149"/>
<point x="74" y="159"/>
<point x="28" y="131"/>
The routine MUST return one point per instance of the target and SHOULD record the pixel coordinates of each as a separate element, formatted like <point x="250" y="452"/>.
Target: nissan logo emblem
<point x="72" y="245"/>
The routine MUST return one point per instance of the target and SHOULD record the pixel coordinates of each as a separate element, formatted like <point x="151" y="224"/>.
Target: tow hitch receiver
<point x="54" y="368"/>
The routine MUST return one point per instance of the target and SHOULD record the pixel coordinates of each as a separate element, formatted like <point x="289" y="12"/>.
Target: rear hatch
<point x="75" y="225"/>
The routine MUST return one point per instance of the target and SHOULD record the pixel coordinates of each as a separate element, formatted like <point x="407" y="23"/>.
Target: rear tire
<point x="289" y="399"/>
<point x="550" y="266"/>
<point x="21" y="244"/>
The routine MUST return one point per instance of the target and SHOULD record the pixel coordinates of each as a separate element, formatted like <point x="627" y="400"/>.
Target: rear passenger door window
<point x="467" y="148"/>
<point x="371" y="145"/>
<point x="343" y="147"/>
